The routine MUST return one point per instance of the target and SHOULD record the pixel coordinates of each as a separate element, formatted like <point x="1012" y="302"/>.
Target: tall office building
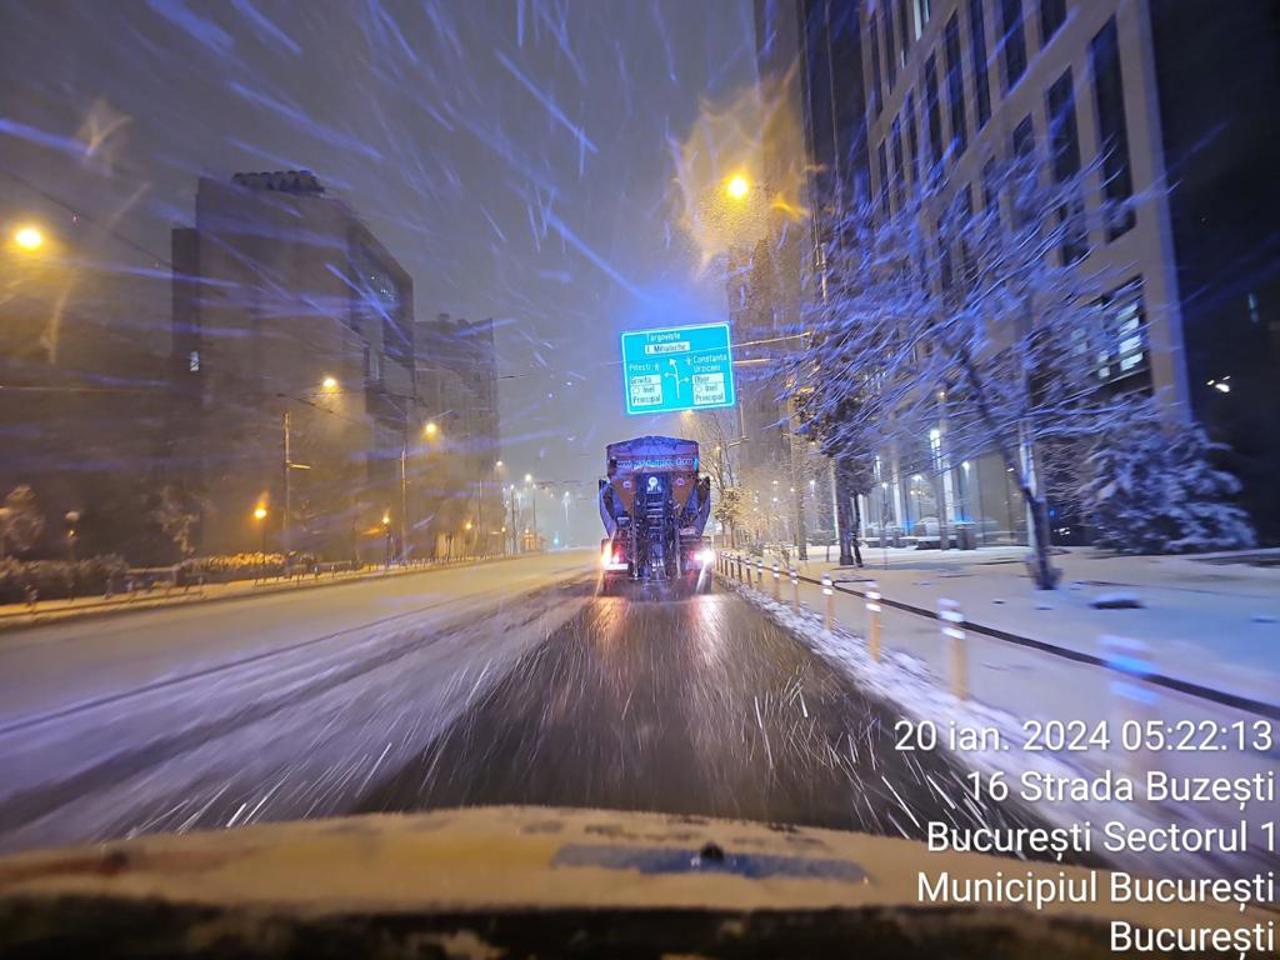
<point x="1183" y="134"/>
<point x="294" y="369"/>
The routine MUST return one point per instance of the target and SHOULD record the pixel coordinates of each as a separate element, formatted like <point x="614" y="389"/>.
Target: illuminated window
<point x="1124" y="350"/>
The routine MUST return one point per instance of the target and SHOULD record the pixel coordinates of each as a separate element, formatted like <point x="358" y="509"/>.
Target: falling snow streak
<point x="546" y="101"/>
<point x="265" y="28"/>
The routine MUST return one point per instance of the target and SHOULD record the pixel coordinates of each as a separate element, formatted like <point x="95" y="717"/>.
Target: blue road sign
<point x="681" y="368"/>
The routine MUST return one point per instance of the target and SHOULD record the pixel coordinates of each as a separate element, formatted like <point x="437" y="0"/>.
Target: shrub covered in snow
<point x="58" y="579"/>
<point x="1153" y="488"/>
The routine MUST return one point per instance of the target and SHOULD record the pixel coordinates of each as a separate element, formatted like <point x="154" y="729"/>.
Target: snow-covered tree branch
<point x="952" y="325"/>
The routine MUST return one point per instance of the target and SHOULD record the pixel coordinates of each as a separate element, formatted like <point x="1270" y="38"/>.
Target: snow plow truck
<point x="654" y="507"/>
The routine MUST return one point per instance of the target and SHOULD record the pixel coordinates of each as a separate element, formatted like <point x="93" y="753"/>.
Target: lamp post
<point x="515" y="542"/>
<point x="260" y="513"/>
<point x="329" y="385"/>
<point x="386" y="527"/>
<point x="72" y="518"/>
<point x="533" y="497"/>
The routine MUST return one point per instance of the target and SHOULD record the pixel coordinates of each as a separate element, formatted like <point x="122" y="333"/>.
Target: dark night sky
<point x="516" y="157"/>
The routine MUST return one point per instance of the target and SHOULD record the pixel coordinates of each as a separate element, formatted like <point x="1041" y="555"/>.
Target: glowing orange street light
<point x="329" y="383"/>
<point x="260" y="514"/>
<point x="430" y="429"/>
<point x="737" y="186"/>
<point x="28" y="238"/>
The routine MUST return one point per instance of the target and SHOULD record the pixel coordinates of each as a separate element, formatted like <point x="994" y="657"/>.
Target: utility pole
<point x="481" y="539"/>
<point x="795" y="446"/>
<point x="515" y="543"/>
<point x="533" y="495"/>
<point x="288" y="493"/>
<point x="404" y="496"/>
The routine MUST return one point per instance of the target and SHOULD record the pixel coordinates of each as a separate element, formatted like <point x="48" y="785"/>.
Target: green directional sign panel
<point x="679" y="368"/>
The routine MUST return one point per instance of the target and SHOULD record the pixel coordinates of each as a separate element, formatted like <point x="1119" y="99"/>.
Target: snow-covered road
<point x="509" y="683"/>
<point x="267" y="708"/>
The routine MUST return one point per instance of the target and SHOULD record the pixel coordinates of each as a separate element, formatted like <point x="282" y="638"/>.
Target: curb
<point x="1221" y="697"/>
<point x="100" y="610"/>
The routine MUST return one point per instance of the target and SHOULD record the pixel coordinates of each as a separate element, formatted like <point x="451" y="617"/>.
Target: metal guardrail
<point x="950" y="617"/>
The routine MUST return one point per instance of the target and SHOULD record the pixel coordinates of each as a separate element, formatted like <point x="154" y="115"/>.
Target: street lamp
<point x="329" y="383"/>
<point x="260" y="515"/>
<point x="737" y="186"/>
<point x="28" y="238"/>
<point x="430" y="429"/>
<point x="72" y="519"/>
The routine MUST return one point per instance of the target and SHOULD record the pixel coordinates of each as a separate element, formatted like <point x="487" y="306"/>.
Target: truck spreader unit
<point x="654" y="507"/>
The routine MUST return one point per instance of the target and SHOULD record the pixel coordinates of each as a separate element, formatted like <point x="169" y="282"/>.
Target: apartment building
<point x="294" y="370"/>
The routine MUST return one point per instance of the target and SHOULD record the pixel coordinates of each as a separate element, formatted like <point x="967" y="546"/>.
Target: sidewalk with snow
<point x="1204" y="622"/>
<point x="1212" y="620"/>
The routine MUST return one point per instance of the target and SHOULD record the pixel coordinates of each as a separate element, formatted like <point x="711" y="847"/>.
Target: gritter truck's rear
<point x="654" y="506"/>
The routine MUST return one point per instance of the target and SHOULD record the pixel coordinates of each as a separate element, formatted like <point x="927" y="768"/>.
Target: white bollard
<point x="873" y="619"/>
<point x="795" y="588"/>
<point x="829" y="591"/>
<point x="1134" y="700"/>
<point x="952" y="621"/>
<point x="777" y="582"/>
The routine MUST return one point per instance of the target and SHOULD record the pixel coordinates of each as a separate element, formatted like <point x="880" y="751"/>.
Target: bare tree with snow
<point x="970" y="315"/>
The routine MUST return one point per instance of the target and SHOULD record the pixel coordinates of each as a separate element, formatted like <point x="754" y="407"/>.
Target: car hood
<point x="540" y="863"/>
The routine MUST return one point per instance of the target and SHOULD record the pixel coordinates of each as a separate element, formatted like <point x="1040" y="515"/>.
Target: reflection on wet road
<point x="698" y="707"/>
